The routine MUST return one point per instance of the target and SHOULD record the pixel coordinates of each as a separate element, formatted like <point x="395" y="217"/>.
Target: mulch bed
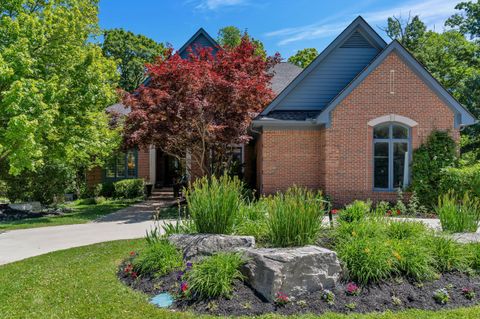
<point x="373" y="298"/>
<point x="8" y="214"/>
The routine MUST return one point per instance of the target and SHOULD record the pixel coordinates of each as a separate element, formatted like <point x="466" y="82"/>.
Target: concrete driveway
<point x="128" y="223"/>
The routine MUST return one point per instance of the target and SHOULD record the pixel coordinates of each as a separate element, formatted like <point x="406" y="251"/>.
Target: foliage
<point x="252" y="220"/>
<point x="447" y="255"/>
<point x="468" y="21"/>
<point x="437" y="153"/>
<point x="132" y="52"/>
<point x="295" y="218"/>
<point x="413" y="259"/>
<point x="461" y="179"/>
<point x="409" y="32"/>
<point x="46" y="185"/>
<point x="405" y="230"/>
<point x="328" y="296"/>
<point x="458" y="214"/>
<point x="473" y="256"/>
<point x="303" y="57"/>
<point x="106" y="189"/>
<point x="129" y="188"/>
<point x="441" y="296"/>
<point x="231" y="37"/>
<point x="54" y="86"/>
<point x="352" y="289"/>
<point x="214" y="276"/>
<point x="355" y="211"/>
<point x="281" y="299"/>
<point x="469" y="293"/>
<point x="220" y="94"/>
<point x="158" y="259"/>
<point x="214" y="203"/>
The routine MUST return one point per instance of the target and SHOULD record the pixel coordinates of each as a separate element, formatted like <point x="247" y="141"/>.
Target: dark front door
<point x="166" y="169"/>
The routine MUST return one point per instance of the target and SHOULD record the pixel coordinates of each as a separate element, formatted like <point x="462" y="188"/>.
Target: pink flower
<point x="334" y="211"/>
<point x="281" y="299"/>
<point x="184" y="286"/>
<point x="352" y="289"/>
<point x="134" y="275"/>
<point x="398" y="212"/>
<point x="132" y="253"/>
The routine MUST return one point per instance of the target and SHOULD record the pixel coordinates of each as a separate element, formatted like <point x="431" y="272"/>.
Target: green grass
<point x="81" y="213"/>
<point x="81" y="283"/>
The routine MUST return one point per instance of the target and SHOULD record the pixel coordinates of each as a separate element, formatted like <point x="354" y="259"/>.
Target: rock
<point x="30" y="206"/>
<point x="199" y="245"/>
<point x="293" y="271"/>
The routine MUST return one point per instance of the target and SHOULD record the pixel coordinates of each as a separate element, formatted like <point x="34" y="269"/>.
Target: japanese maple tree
<point x="200" y="105"/>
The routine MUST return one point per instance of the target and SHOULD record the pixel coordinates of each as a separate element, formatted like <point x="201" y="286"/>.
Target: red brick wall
<point x="339" y="159"/>
<point x="349" y="140"/>
<point x="94" y="177"/>
<point x="290" y="157"/>
<point x="144" y="164"/>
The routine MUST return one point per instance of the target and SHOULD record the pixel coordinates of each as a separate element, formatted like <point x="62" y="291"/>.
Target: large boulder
<point x="200" y="245"/>
<point x="293" y="271"/>
<point x="29" y="206"/>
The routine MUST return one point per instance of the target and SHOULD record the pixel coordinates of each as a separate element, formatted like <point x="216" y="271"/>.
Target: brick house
<point x="347" y="124"/>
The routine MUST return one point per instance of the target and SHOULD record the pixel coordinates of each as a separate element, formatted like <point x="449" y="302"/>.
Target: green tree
<point x="131" y="52"/>
<point x="303" y="57"/>
<point x="467" y="21"/>
<point x="409" y="32"/>
<point x="230" y="37"/>
<point x="54" y="86"/>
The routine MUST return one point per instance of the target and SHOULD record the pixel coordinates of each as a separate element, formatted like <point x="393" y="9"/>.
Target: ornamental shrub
<point x="462" y="180"/>
<point x="437" y="153"/>
<point x="355" y="211"/>
<point x="214" y="203"/>
<point x="158" y="259"/>
<point x="295" y="218"/>
<point x="214" y="276"/>
<point x="129" y="188"/>
<point x="447" y="255"/>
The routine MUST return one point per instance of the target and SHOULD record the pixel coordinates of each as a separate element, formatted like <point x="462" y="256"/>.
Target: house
<point x="347" y="124"/>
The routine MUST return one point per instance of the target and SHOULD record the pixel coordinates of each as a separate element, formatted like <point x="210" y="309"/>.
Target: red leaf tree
<point x="200" y="105"/>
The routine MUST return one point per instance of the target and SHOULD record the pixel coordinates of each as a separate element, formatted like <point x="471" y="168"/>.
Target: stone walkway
<point x="128" y="223"/>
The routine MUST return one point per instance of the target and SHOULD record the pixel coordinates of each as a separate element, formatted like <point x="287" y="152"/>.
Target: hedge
<point x="129" y="188"/>
<point x="461" y="179"/>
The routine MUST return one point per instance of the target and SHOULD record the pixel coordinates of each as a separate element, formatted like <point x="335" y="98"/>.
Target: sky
<point x="283" y="26"/>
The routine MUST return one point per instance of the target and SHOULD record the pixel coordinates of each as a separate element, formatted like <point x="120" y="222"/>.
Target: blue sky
<point x="283" y="25"/>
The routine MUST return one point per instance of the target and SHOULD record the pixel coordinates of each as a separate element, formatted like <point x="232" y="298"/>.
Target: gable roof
<point x="462" y="116"/>
<point x="359" y="25"/>
<point x="201" y="36"/>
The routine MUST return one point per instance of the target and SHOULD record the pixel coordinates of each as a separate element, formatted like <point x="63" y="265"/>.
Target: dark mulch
<point x="373" y="298"/>
<point x="8" y="214"/>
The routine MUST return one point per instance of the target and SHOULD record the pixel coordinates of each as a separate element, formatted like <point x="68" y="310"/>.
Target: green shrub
<point x="252" y="220"/>
<point x="158" y="259"/>
<point x="447" y="255"/>
<point x="367" y="228"/>
<point x="214" y="203"/>
<point x="129" y="188"/>
<point x="437" y="153"/>
<point x="458" y="215"/>
<point x="355" y="211"/>
<point x="473" y="256"/>
<point x="294" y="218"/>
<point x="405" y="230"/>
<point x="104" y="189"/>
<point x="214" y="276"/>
<point x="413" y="259"/>
<point x="367" y="260"/>
<point x="462" y="180"/>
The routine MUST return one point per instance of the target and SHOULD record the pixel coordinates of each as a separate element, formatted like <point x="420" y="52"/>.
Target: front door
<point x="166" y="169"/>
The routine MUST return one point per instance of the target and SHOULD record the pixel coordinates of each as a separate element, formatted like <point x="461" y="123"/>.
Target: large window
<point x="391" y="148"/>
<point x="122" y="165"/>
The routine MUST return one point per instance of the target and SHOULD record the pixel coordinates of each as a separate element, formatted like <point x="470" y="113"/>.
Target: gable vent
<point x="356" y="40"/>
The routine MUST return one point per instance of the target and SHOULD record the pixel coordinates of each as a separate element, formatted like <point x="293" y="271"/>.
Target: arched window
<point x="391" y="156"/>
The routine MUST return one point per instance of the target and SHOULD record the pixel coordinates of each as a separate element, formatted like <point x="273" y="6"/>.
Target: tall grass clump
<point x="252" y="220"/>
<point x="358" y="210"/>
<point x="458" y="214"/>
<point x="214" y="276"/>
<point x="214" y="203"/>
<point x="295" y="218"/>
<point x="158" y="259"/>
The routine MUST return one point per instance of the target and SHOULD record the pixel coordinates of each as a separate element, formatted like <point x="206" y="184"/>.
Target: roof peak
<point x="200" y="31"/>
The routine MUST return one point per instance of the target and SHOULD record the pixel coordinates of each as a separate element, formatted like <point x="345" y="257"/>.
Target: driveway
<point x="128" y="223"/>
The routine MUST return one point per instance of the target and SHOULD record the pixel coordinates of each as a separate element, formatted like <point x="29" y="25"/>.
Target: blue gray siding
<point x="200" y="40"/>
<point x="333" y="74"/>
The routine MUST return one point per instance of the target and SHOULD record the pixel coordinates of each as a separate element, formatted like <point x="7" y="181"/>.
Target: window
<point x="391" y="156"/>
<point x="122" y="165"/>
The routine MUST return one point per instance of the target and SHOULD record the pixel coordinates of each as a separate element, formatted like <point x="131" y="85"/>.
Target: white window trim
<point x="392" y="118"/>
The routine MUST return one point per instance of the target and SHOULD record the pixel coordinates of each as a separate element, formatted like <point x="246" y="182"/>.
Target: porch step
<point x="162" y="194"/>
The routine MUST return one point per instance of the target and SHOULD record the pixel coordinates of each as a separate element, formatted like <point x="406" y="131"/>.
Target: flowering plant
<point x="281" y="299"/>
<point x="334" y="211"/>
<point x="468" y="293"/>
<point x="353" y="289"/>
<point x="128" y="270"/>
<point x="441" y="296"/>
<point x="328" y="296"/>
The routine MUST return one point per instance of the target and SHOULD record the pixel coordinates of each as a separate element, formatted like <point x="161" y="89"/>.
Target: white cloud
<point x="432" y="12"/>
<point x="216" y="4"/>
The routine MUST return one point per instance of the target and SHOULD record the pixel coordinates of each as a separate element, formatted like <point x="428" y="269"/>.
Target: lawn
<point x="81" y="283"/>
<point x="82" y="212"/>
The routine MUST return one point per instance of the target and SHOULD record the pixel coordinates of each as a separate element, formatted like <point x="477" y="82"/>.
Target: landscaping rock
<point x="200" y="245"/>
<point x="293" y="271"/>
<point x="30" y="206"/>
